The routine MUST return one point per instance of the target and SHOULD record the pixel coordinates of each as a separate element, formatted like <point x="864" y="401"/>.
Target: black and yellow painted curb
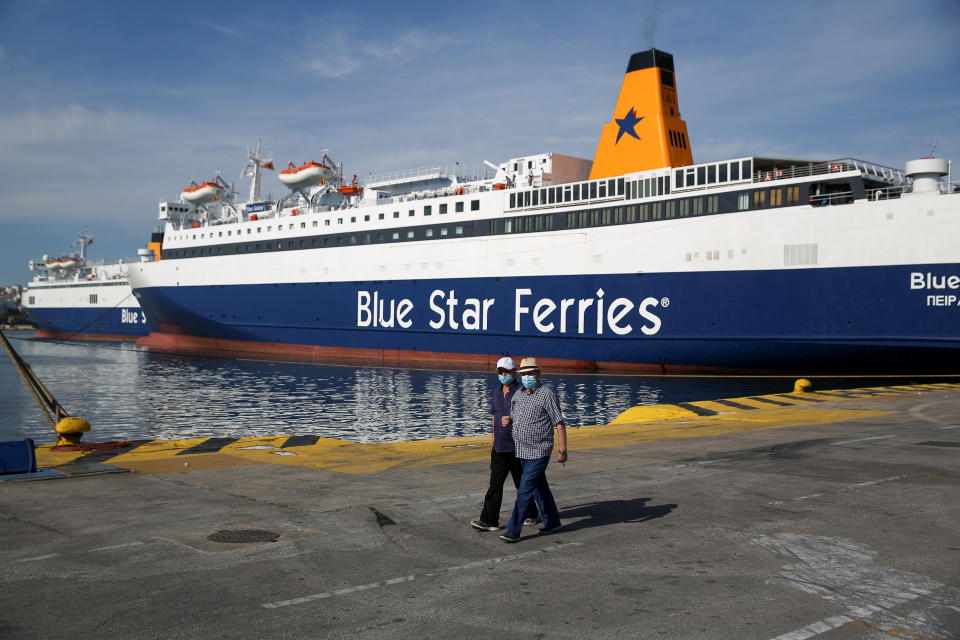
<point x="635" y="425"/>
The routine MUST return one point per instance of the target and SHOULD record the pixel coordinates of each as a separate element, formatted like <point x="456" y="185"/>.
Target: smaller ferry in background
<point x="72" y="297"/>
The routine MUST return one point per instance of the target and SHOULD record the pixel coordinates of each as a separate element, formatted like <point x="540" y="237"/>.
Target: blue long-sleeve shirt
<point x="500" y="407"/>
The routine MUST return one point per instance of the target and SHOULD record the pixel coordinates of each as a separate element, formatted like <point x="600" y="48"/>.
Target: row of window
<point x="687" y="177"/>
<point x="776" y="197"/>
<point x="646" y="212"/>
<point x="74" y="285"/>
<point x="567" y="193"/>
<point x="596" y="190"/>
<point x="316" y="242"/>
<point x="458" y="207"/>
<point x="648" y="187"/>
<point x="717" y="173"/>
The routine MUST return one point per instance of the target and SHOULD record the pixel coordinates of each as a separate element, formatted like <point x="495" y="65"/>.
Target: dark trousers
<point x="534" y="488"/>
<point x="502" y="465"/>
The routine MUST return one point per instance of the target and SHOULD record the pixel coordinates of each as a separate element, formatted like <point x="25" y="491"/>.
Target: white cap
<point x="506" y="362"/>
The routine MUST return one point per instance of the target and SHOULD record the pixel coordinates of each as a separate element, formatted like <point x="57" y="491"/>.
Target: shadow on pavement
<point x="599" y="514"/>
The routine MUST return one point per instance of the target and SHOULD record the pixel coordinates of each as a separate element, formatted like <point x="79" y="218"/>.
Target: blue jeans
<point x="533" y="486"/>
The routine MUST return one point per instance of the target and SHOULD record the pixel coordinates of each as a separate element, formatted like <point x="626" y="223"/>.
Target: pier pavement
<point x="831" y="515"/>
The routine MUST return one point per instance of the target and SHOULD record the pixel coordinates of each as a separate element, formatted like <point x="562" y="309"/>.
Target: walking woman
<point x="503" y="462"/>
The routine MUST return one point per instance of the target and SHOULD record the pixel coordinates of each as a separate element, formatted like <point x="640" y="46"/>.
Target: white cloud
<point x="236" y="33"/>
<point x="343" y="54"/>
<point x="220" y="28"/>
<point x="335" y="59"/>
<point x="62" y="123"/>
<point x="406" y="46"/>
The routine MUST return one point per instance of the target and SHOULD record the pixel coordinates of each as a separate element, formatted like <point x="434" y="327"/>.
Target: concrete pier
<point x="831" y="515"/>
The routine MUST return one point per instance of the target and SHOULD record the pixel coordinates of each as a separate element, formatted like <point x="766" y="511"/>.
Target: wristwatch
<point x="562" y="453"/>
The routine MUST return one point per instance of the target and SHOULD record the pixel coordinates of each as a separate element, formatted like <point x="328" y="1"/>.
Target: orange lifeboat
<point x="65" y="262"/>
<point x="202" y="193"/>
<point x="306" y="175"/>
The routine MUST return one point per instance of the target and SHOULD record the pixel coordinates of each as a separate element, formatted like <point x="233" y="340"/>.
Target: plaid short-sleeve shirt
<point x="534" y="416"/>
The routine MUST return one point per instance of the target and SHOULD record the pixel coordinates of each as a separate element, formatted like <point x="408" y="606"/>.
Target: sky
<point x="107" y="108"/>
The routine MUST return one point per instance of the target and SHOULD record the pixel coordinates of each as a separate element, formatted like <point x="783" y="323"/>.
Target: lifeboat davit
<point x="306" y="175"/>
<point x="202" y="193"/>
<point x="352" y="189"/>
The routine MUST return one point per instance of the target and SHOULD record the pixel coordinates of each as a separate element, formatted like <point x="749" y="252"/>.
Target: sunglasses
<point x="503" y="371"/>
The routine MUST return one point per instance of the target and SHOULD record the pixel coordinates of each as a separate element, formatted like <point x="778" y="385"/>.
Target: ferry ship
<point x="640" y="260"/>
<point x="71" y="297"/>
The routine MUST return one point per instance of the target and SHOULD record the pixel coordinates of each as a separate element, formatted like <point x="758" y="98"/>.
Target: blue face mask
<point x="505" y="379"/>
<point x="529" y="381"/>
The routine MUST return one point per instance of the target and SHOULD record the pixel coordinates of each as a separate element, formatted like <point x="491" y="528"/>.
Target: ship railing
<point x="866" y="169"/>
<point x="407" y="174"/>
<point x="462" y="174"/>
<point x="877" y="171"/>
<point x="888" y="193"/>
<point x="828" y="199"/>
<point x="894" y="192"/>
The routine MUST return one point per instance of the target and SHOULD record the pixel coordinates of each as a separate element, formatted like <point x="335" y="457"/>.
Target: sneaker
<point x="549" y="529"/>
<point x="480" y="525"/>
<point x="529" y="522"/>
<point x="509" y="536"/>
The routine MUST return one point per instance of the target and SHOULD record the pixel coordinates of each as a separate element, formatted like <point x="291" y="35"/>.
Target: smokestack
<point x="646" y="130"/>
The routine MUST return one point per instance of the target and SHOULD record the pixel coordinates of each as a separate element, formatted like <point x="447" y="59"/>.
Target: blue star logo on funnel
<point x="627" y="124"/>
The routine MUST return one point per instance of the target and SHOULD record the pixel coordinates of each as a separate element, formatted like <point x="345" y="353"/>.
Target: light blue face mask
<point x="529" y="381"/>
<point x="505" y="379"/>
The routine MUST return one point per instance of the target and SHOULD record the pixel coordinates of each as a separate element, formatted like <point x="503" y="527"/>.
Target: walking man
<point x="535" y="414"/>
<point x="502" y="459"/>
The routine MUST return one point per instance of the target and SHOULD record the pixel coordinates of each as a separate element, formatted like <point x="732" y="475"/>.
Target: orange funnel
<point x="646" y="131"/>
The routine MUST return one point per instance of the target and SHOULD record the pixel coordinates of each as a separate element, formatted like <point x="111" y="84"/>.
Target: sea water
<point x="130" y="393"/>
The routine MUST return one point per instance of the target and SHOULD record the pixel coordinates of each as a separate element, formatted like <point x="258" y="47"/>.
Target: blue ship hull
<point x="864" y="320"/>
<point x="119" y="323"/>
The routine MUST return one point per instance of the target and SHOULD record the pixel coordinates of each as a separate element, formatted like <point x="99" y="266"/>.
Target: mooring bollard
<point x="802" y="386"/>
<point x="70" y="428"/>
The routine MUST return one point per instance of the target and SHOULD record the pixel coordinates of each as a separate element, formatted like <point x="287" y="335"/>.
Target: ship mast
<point x="83" y="240"/>
<point x="254" y="172"/>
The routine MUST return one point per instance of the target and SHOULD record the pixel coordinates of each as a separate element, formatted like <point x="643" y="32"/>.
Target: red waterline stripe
<point x="93" y="337"/>
<point x="193" y="345"/>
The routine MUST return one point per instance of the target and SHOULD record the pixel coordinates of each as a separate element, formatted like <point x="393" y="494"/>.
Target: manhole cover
<point x="243" y="535"/>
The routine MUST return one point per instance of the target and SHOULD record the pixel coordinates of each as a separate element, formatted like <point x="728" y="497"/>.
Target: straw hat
<point x="528" y="365"/>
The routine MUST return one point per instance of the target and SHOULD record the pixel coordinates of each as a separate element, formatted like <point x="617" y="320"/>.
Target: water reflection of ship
<point x="73" y="297"/>
<point x="130" y="391"/>
<point x="640" y="260"/>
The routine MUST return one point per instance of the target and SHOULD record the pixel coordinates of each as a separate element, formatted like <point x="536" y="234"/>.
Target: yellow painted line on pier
<point x="634" y="426"/>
